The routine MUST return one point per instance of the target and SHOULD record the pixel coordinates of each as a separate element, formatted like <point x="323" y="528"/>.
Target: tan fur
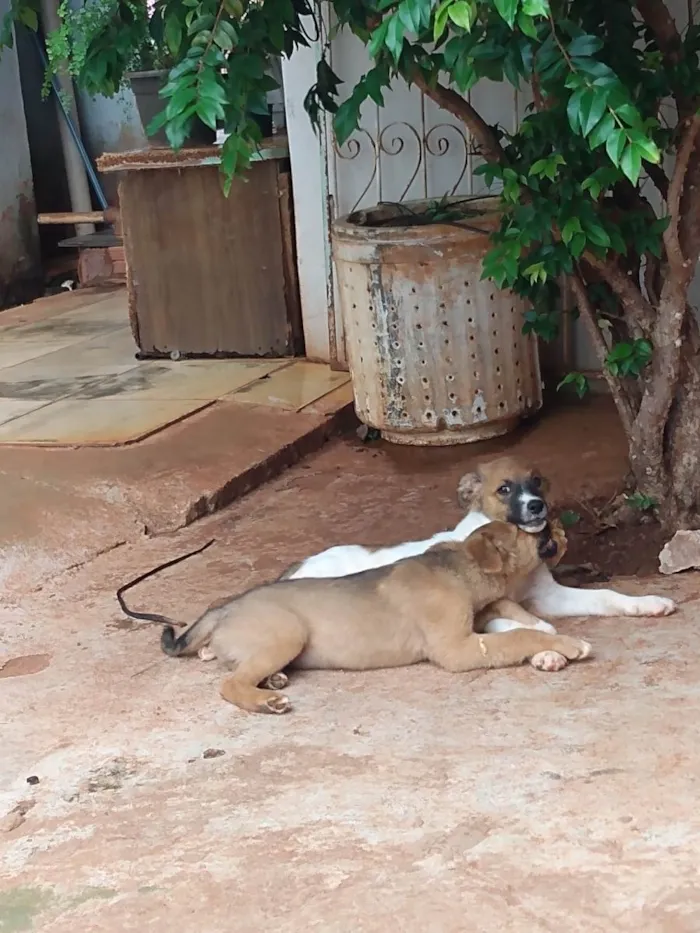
<point x="477" y="491"/>
<point x="419" y="609"/>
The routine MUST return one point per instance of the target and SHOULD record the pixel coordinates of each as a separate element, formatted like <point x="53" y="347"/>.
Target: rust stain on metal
<point x="437" y="356"/>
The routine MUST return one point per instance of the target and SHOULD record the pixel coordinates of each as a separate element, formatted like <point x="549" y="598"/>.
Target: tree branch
<point x="675" y="191"/>
<point x="689" y="224"/>
<point x="637" y="308"/>
<point x="663" y="27"/>
<point x="459" y="107"/>
<point x="588" y="315"/>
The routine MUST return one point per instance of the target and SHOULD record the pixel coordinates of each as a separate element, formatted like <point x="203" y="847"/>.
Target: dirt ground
<point x="132" y="798"/>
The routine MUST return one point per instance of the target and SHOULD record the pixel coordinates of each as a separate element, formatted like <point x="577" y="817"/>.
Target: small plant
<point x="569" y="518"/>
<point x="100" y="41"/>
<point x="641" y="502"/>
<point x="577" y="380"/>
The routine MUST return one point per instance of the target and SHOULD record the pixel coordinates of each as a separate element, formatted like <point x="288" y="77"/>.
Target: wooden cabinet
<point x="209" y="275"/>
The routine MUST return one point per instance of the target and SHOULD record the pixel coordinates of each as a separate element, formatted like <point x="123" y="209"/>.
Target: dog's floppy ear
<point x="467" y="490"/>
<point x="489" y="545"/>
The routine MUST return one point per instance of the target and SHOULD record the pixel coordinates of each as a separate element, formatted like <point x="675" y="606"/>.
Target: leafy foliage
<point x="220" y="55"/>
<point x="615" y="90"/>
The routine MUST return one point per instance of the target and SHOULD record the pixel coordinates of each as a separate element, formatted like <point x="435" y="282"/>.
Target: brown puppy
<point x="507" y="489"/>
<point x="419" y="609"/>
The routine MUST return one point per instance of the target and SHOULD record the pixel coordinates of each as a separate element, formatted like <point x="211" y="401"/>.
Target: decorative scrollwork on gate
<point x="395" y="145"/>
<point x="412" y="147"/>
<point x="438" y="144"/>
<point x="353" y="148"/>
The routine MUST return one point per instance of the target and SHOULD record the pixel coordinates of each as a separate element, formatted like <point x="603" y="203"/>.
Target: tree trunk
<point x="675" y="483"/>
<point x="683" y="437"/>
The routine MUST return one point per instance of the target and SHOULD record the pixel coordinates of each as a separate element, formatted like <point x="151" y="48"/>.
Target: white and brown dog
<point x="418" y="609"/>
<point x="501" y="490"/>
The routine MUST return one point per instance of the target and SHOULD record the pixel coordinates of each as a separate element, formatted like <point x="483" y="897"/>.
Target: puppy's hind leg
<point x="273" y="646"/>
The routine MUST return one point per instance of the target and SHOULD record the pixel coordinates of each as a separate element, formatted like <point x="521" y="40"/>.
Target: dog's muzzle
<point x="546" y="546"/>
<point x="533" y="513"/>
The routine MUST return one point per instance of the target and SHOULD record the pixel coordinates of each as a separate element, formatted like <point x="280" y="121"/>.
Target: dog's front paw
<point x="543" y="626"/>
<point x="650" y="606"/>
<point x="559" y="538"/>
<point x="548" y="661"/>
<point x="575" y="649"/>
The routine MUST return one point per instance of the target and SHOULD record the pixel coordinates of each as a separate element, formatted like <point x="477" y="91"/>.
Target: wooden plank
<point x="86" y="217"/>
<point x="156" y="159"/>
<point x="289" y="263"/>
<point x="205" y="272"/>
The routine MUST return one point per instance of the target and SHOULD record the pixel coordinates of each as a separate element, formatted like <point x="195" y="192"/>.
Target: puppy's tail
<point x="154" y="616"/>
<point x="192" y="639"/>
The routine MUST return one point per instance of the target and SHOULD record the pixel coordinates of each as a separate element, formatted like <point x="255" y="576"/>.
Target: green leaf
<point x="463" y="14"/>
<point x="570" y="228"/>
<point x="394" y="37"/>
<point x="536" y="7"/>
<point x="580" y="384"/>
<point x="225" y="36"/>
<point x="173" y="33"/>
<point x="600" y="133"/>
<point x="621" y="351"/>
<point x="527" y="25"/>
<point x="377" y="39"/>
<point x="177" y="129"/>
<point x="234" y="8"/>
<point x="585" y="46"/>
<point x="410" y="14"/>
<point x="577" y="245"/>
<point x="573" y="109"/>
<point x="629" y="114"/>
<point x="508" y="10"/>
<point x="209" y="111"/>
<point x="201" y="23"/>
<point x="615" y="146"/>
<point x="631" y="163"/>
<point x="647" y="147"/>
<point x="345" y="120"/>
<point x="592" y="109"/>
<point x="441" y="19"/>
<point x="374" y="85"/>
<point x="157" y="123"/>
<point x="28" y="17"/>
<point x="593" y="186"/>
<point x="569" y="518"/>
<point x="597" y="235"/>
<point x="180" y="101"/>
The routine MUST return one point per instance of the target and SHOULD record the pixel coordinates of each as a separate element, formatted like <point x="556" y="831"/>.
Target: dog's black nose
<point x="536" y="506"/>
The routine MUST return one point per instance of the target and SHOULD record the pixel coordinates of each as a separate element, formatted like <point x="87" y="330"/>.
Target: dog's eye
<point x="536" y="482"/>
<point x="503" y="490"/>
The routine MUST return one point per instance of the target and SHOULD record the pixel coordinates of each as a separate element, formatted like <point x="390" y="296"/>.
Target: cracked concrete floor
<point x="132" y="798"/>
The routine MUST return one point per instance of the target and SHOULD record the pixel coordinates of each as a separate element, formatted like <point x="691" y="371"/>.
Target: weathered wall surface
<point x="19" y="242"/>
<point x="110" y="124"/>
